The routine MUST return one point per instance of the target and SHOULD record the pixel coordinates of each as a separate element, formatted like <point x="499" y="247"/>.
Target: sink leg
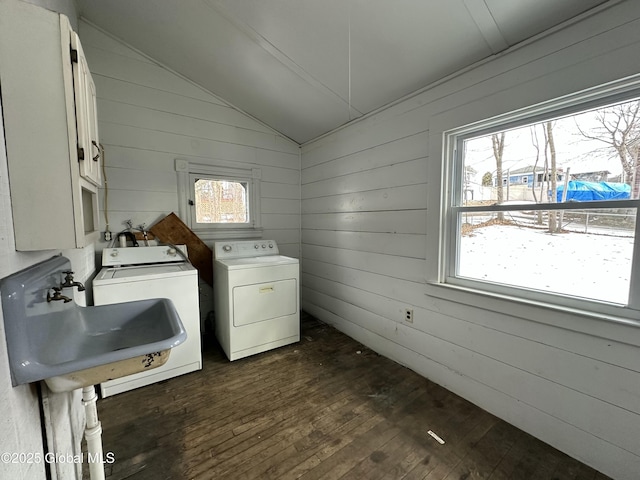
<point x="93" y="433"/>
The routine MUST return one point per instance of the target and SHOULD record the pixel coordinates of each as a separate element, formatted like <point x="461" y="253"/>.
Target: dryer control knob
<point x="171" y="252"/>
<point x="256" y="246"/>
<point x="114" y="253"/>
<point x="271" y="245"/>
<point x="226" y="248"/>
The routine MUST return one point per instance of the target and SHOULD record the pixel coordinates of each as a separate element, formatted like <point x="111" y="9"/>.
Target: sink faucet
<point x="68" y="282"/>
<point x="57" y="295"/>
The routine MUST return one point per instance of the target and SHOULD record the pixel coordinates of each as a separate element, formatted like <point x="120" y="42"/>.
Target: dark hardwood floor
<point x="325" y="408"/>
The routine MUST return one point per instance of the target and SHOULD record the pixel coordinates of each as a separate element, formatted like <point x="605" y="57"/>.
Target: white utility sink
<point x="69" y="346"/>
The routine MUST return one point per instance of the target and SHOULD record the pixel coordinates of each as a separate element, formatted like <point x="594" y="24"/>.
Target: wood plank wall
<point x="149" y="116"/>
<point x="370" y="228"/>
<point x="22" y="426"/>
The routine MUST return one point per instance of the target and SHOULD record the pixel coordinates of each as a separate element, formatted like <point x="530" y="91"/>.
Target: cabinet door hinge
<point x="80" y="153"/>
<point x="74" y="55"/>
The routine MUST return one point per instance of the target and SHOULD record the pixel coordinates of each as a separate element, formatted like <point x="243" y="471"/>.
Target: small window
<point x="566" y="234"/>
<point x="219" y="202"/>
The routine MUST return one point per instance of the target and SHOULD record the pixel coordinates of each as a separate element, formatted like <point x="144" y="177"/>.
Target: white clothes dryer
<point x="153" y="272"/>
<point x="256" y="297"/>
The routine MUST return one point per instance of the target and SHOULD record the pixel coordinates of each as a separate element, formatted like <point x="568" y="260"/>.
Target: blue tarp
<point x="579" y="191"/>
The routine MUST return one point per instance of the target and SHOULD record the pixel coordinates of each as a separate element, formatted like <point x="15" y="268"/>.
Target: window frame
<point x="187" y="174"/>
<point x="453" y="197"/>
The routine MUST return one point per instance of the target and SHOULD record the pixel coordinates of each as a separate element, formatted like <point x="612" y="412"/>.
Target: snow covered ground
<point x="585" y="265"/>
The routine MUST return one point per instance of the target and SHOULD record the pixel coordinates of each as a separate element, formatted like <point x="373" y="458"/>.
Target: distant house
<point x="526" y="176"/>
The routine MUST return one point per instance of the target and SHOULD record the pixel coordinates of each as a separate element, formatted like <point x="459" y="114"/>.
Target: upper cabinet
<point x="89" y="153"/>
<point x="48" y="101"/>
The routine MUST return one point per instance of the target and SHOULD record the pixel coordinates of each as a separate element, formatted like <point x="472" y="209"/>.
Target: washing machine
<point x="256" y="297"/>
<point x="153" y="272"/>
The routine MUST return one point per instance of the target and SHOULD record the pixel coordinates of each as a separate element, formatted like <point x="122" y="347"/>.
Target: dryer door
<point x="263" y="301"/>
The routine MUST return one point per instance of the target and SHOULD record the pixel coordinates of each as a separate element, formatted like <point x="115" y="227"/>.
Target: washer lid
<point x="256" y="262"/>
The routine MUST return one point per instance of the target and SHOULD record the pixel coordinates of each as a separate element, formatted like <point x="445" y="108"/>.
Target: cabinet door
<point x="89" y="153"/>
<point x="94" y="171"/>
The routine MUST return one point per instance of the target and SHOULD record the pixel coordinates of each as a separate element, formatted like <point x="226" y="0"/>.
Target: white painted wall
<point x="370" y="228"/>
<point x="66" y="7"/>
<point x="149" y="116"/>
<point x="20" y="424"/>
<point x="20" y="414"/>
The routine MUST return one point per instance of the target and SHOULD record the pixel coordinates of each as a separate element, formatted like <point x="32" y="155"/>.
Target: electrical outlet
<point x="408" y="315"/>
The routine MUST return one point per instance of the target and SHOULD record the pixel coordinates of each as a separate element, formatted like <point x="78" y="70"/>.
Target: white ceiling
<point x="305" y="67"/>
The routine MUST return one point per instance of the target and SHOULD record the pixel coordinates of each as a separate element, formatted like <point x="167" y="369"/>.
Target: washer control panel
<point x="245" y="248"/>
<point x="113" y="257"/>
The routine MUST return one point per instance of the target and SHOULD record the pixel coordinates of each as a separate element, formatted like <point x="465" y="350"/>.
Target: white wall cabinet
<point x="51" y="134"/>
<point x="89" y="153"/>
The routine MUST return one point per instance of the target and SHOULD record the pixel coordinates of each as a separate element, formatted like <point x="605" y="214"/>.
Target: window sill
<point x="619" y="329"/>
<point x="224" y="233"/>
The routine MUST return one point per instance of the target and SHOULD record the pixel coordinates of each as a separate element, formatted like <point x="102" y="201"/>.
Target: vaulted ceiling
<point x="305" y="67"/>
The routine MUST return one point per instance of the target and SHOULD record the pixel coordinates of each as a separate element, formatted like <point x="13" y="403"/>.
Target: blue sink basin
<point x="69" y="346"/>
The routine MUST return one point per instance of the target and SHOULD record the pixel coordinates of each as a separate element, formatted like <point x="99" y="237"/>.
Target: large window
<point x="219" y="202"/>
<point x="543" y="205"/>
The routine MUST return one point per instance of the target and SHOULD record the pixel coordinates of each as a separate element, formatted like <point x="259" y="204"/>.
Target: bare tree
<point x="619" y="129"/>
<point x="634" y="154"/>
<point x="536" y="145"/>
<point x="497" y="141"/>
<point x="551" y="147"/>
